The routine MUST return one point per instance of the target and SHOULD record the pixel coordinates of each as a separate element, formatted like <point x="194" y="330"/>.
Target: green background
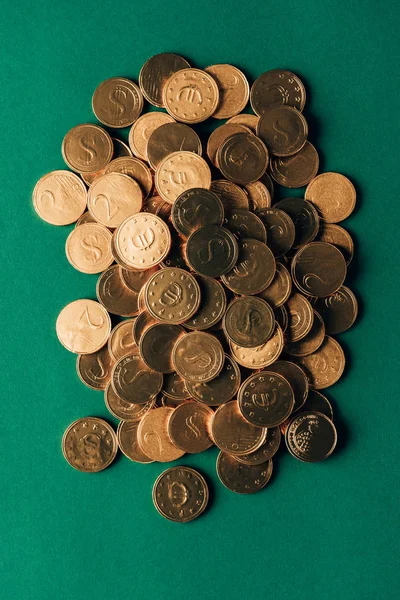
<point x="320" y="531"/>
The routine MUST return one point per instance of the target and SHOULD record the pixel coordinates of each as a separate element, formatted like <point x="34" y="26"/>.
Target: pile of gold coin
<point x="230" y="298"/>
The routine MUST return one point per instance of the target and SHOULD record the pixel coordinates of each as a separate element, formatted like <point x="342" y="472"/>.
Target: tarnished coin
<point x="280" y="229"/>
<point x="220" y="389"/>
<point x="114" y="197"/>
<point x="172" y="295"/>
<point x="280" y="287"/>
<point x="339" y="237"/>
<point x="196" y="208"/>
<point x="258" y="194"/>
<point x="189" y="427"/>
<point x="153" y="435"/>
<point x="311" y="436"/>
<point x="88" y="248"/>
<point x="260" y="356"/>
<point x="85" y="218"/>
<point x="174" y="387"/>
<point x="153" y="204"/>
<point x="114" y="295"/>
<point x="325" y="366"/>
<point x="245" y="224"/>
<point x="242" y="158"/>
<point x="117" y="102"/>
<point x="212" y="304"/>
<point x="142" y="322"/>
<point x="120" y="148"/>
<point x="333" y="195"/>
<point x="318" y="269"/>
<point x="133" y="381"/>
<point x="242" y="478"/>
<point x="143" y="241"/>
<point x="59" y="198"/>
<point x="301" y="317"/>
<point x="142" y="129"/>
<point x="134" y="168"/>
<point x="248" y="120"/>
<point x="170" y="138"/>
<point x="87" y="148"/>
<point x="89" y="444"/>
<point x="135" y="280"/>
<point x="269" y="184"/>
<point x="125" y="410"/>
<point x="296" y="170"/>
<point x="249" y="321"/>
<point x="230" y="194"/>
<point x="94" y="370"/>
<point x="283" y="129"/>
<point x="198" y="356"/>
<point x="233" y="90"/>
<point x="304" y="217"/>
<point x="191" y="96"/>
<point x="218" y="137"/>
<point x="232" y="433"/>
<point x="254" y="269"/>
<point x="212" y="251"/>
<point x="180" y="494"/>
<point x="296" y="377"/>
<point x="128" y="442"/>
<point x="121" y="341"/>
<point x="181" y="171"/>
<point x="156" y="346"/>
<point x="266" y="399"/>
<point x="277" y="88"/>
<point x="311" y="342"/>
<point x="83" y="326"/>
<point x="155" y="73"/>
<point x="266" y="451"/>
<point x="317" y="402"/>
<point x="339" y="311"/>
<point x="176" y="256"/>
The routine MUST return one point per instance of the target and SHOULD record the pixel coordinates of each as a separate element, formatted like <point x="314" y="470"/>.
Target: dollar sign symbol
<point x="92" y="252"/>
<point x="282" y="131"/>
<point x="191" y="426"/>
<point x="116" y="97"/>
<point x="101" y="373"/>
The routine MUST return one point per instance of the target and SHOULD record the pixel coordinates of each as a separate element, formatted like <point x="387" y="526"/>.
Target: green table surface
<point x="319" y="531"/>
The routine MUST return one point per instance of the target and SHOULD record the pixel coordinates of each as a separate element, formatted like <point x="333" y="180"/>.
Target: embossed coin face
<point x="94" y="370"/>
<point x="169" y="138"/>
<point x="218" y="137"/>
<point x="338" y="311"/>
<point x="258" y="194"/>
<point x="280" y="287"/>
<point x="311" y="437"/>
<point x="280" y="230"/>
<point x="156" y="346"/>
<point x="181" y="171"/>
<point x="339" y="237"/>
<point x="189" y="427"/>
<point x="198" y="356"/>
<point x="113" y="198"/>
<point x="191" y="96"/>
<point x="333" y="195"/>
<point x="143" y="241"/>
<point x="296" y="170"/>
<point x="155" y="73"/>
<point x="125" y="410"/>
<point x="325" y="366"/>
<point x="304" y="217"/>
<point x="196" y="208"/>
<point x="117" y="102"/>
<point x="153" y="435"/>
<point x="254" y="269"/>
<point x="266" y="451"/>
<point x="212" y="251"/>
<point x="249" y="321"/>
<point x="245" y="224"/>
<point x="232" y="433"/>
<point x="212" y="304"/>
<point x="87" y="148"/>
<point x="88" y="248"/>
<point x="180" y="494"/>
<point x="296" y="377"/>
<point x="283" y="129"/>
<point x="311" y="342"/>
<point x="172" y="295"/>
<point x="317" y="402"/>
<point x="135" y="280"/>
<point x="89" y="444"/>
<point x="83" y="326"/>
<point x="242" y="478"/>
<point x="260" y="356"/>
<point x="318" y="269"/>
<point x="220" y="389"/>
<point x="174" y="387"/>
<point x="142" y="129"/>
<point x="266" y="399"/>
<point x="233" y="90"/>
<point x="114" y="295"/>
<point x="128" y="442"/>
<point x="59" y="198"/>
<point x="230" y="194"/>
<point x="242" y="158"/>
<point x="277" y="88"/>
<point x="134" y="168"/>
<point x="121" y="341"/>
<point x="250" y="121"/>
<point x="301" y="317"/>
<point x="133" y="381"/>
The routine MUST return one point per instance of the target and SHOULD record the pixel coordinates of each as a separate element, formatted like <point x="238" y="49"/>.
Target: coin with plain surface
<point x="94" y="370"/>
<point x="120" y="409"/>
<point x="254" y="269"/>
<point x="301" y="317"/>
<point x="325" y="366"/>
<point x="317" y="402"/>
<point x="181" y="171"/>
<point x="191" y="96"/>
<point x="296" y="377"/>
<point x="333" y="195"/>
<point x="232" y="433"/>
<point x="277" y="88"/>
<point x="278" y="291"/>
<point x="189" y="427"/>
<point x="212" y="251"/>
<point x="156" y="346"/>
<point x="114" y="295"/>
<point x="212" y="304"/>
<point x="296" y="170"/>
<point x="114" y="197"/>
<point x="266" y="451"/>
<point x="230" y="194"/>
<point x="136" y="169"/>
<point x="195" y="208"/>
<point x="242" y="478"/>
<point x="133" y="381"/>
<point x="339" y="311"/>
<point x="153" y="435"/>
<point x="220" y="389"/>
<point x="249" y="321"/>
<point x="180" y="494"/>
<point x="311" y="436"/>
<point x="59" y="198"/>
<point x="339" y="237"/>
<point x="260" y="356"/>
<point x="142" y="129"/>
<point x="172" y="295"/>
<point x="280" y="230"/>
<point x="233" y="90"/>
<point x="83" y="326"/>
<point x="87" y="148"/>
<point x="143" y="241"/>
<point x="198" y="356"/>
<point x="88" y="248"/>
<point x="266" y="399"/>
<point x="155" y="73"/>
<point x="248" y="120"/>
<point x="169" y="138"/>
<point x="318" y="269"/>
<point x="128" y="442"/>
<point x="283" y="129"/>
<point x="242" y="158"/>
<point x="89" y="444"/>
<point x="311" y="342"/>
<point x="117" y="102"/>
<point x="245" y="224"/>
<point x="258" y="194"/>
<point x="304" y="217"/>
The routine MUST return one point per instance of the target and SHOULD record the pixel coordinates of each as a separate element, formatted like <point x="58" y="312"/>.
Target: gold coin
<point x="135" y="168"/>
<point x="120" y="148"/>
<point x="133" y="381"/>
<point x="232" y="433"/>
<point x="198" y="356"/>
<point x="311" y="342"/>
<point x="301" y="317"/>
<point x="114" y="295"/>
<point x="250" y="121"/>
<point x="127" y="411"/>
<point x="334" y="196"/>
<point x="172" y="295"/>
<point x="283" y="129"/>
<point x="88" y="248"/>
<point x="339" y="237"/>
<point x="117" y="102"/>
<point x="248" y="321"/>
<point x="220" y="389"/>
<point x="191" y="96"/>
<point x="318" y="269"/>
<point x="114" y="197"/>
<point x="135" y="280"/>
<point x="230" y="194"/>
<point x="121" y="341"/>
<point x="83" y="326"/>
<point x="156" y="346"/>
<point x="219" y="135"/>
<point x="94" y="370"/>
<point x="245" y="224"/>
<point x="254" y="269"/>
<point x="325" y="366"/>
<point x="189" y="427"/>
<point x="89" y="444"/>
<point x="180" y="494"/>
<point x="261" y="356"/>
<point x="212" y="304"/>
<point x="242" y="158"/>
<point x="169" y="138"/>
<point x="85" y="218"/>
<point x="155" y="73"/>
<point x="280" y="230"/>
<point x="87" y="148"/>
<point x="59" y="198"/>
<point x="142" y="322"/>
<point x="242" y="478"/>
<point x="296" y="170"/>
<point x="266" y="399"/>
<point x="142" y="129"/>
<point x="181" y="171"/>
<point x="142" y="241"/>
<point x="339" y="311"/>
<point x="277" y="88"/>
<point x="295" y="376"/>
<point x="266" y="451"/>
<point x="128" y="442"/>
<point x="311" y="436"/>
<point x="280" y="287"/>
<point x="153" y="435"/>
<point x="174" y="387"/>
<point x="258" y="195"/>
<point x="233" y="90"/>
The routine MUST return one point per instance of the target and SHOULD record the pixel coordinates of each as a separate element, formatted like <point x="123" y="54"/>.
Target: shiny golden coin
<point x="296" y="170"/>
<point x="295" y="376"/>
<point x="334" y="196"/>
<point x="212" y="304"/>
<point x="198" y="356"/>
<point x="172" y="295"/>
<point x="249" y="321"/>
<point x="83" y="326"/>
<point x="135" y="280"/>
<point x="155" y="73"/>
<point x="114" y="295"/>
<point x="266" y="399"/>
<point x="242" y="158"/>
<point x="94" y="370"/>
<point x="143" y="241"/>
<point x="212" y="251"/>
<point x="125" y="410"/>
<point x="220" y="389"/>
<point x="191" y="96"/>
<point x="254" y="269"/>
<point x="142" y="129"/>
<point x="117" y="102"/>
<point x="180" y="494"/>
<point x="242" y="478"/>
<point x="280" y="230"/>
<point x="156" y="346"/>
<point x="232" y="433"/>
<point x="301" y="317"/>
<point x="276" y="88"/>
<point x="230" y="194"/>
<point x="339" y="237"/>
<point x="311" y="342"/>
<point x="280" y="287"/>
<point x="121" y="341"/>
<point x="133" y="381"/>
<point x="135" y="168"/>
<point x="181" y="171"/>
<point x="311" y="437"/>
<point x="174" y="387"/>
<point x="89" y="444"/>
<point x="114" y="197"/>
<point x="304" y="217"/>
<point x="283" y="129"/>
<point x="266" y="451"/>
<point x="260" y="356"/>
<point x="85" y="218"/>
<point x="127" y="433"/>
<point x="153" y="435"/>
<point x="88" y="248"/>
<point x="87" y="148"/>
<point x="169" y="138"/>
<point x="245" y="224"/>
<point x="325" y="366"/>
<point x="318" y="269"/>
<point x="258" y="194"/>
<point x="339" y="311"/>
<point x="59" y="198"/>
<point x="189" y="427"/>
<point x="233" y="90"/>
<point x="250" y="121"/>
<point x="219" y="135"/>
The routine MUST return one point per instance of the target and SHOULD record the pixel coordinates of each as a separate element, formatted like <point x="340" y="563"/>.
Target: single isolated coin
<point x="143" y="128"/>
<point x="220" y="389"/>
<point x="155" y="73"/>
<point x="83" y="326"/>
<point x="195" y="208"/>
<point x="212" y="251"/>
<point x="283" y="129"/>
<point x="60" y="198"/>
<point x="242" y="478"/>
<point x="242" y="158"/>
<point x="266" y="399"/>
<point x="338" y="311"/>
<point x="117" y="102"/>
<point x="333" y="195"/>
<point x="121" y="341"/>
<point x="233" y="90"/>
<point x="94" y="370"/>
<point x="189" y="427"/>
<point x="311" y="437"/>
<point x="191" y="96"/>
<point x="172" y="295"/>
<point x="304" y="216"/>
<point x="180" y="494"/>
<point x="318" y="269"/>
<point x="88" y="248"/>
<point x="254" y="269"/>
<point x="133" y="381"/>
<point x="87" y="148"/>
<point x="249" y="321"/>
<point x="114" y="197"/>
<point x="181" y="171"/>
<point x="277" y="88"/>
<point x="89" y="444"/>
<point x="114" y="295"/>
<point x="296" y="170"/>
<point x="169" y="138"/>
<point x="128" y="442"/>
<point x="233" y="433"/>
<point x="198" y="356"/>
<point x="153" y="436"/>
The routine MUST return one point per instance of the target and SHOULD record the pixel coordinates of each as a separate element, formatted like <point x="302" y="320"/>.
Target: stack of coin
<point x="229" y="300"/>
